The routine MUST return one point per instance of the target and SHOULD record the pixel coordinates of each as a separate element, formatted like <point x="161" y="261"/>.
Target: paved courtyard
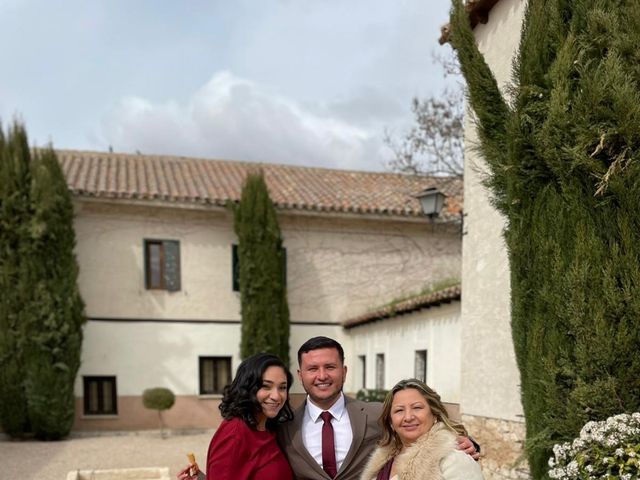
<point x="28" y="460"/>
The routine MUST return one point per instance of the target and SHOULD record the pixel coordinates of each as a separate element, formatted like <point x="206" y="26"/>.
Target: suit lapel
<point x="298" y="444"/>
<point x="358" y="420"/>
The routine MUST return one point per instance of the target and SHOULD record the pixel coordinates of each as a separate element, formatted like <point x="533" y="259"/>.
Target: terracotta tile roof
<point x="419" y="302"/>
<point x="214" y="182"/>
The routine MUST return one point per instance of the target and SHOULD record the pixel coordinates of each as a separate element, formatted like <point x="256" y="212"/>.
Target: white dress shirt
<point x="312" y="430"/>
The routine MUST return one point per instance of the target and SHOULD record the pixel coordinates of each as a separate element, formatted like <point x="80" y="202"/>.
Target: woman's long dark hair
<point x="239" y="398"/>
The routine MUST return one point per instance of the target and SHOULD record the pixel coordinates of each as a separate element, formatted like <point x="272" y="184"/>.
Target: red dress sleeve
<point x="237" y="452"/>
<point x="226" y="452"/>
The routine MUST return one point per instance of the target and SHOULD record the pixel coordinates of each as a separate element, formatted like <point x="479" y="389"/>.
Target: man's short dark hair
<point x="316" y="343"/>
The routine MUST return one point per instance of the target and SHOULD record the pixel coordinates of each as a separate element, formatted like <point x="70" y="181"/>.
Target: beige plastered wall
<point x="490" y="379"/>
<point x="337" y="267"/>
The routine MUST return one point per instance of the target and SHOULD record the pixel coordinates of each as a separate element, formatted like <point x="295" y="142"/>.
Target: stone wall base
<point x="501" y="443"/>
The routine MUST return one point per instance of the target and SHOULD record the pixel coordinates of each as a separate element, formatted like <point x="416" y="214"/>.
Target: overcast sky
<point x="308" y="82"/>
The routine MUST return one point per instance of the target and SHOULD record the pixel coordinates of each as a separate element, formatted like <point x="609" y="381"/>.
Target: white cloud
<point x="234" y="118"/>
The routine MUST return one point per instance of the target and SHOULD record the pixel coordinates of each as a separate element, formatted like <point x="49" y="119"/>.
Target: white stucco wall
<point x="152" y="354"/>
<point x="490" y="379"/>
<point x="436" y="330"/>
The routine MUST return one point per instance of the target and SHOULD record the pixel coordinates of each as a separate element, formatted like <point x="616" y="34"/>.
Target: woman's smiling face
<point x="411" y="416"/>
<point x="273" y="392"/>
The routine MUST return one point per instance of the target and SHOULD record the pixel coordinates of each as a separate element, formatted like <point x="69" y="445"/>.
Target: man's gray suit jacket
<point x="366" y="432"/>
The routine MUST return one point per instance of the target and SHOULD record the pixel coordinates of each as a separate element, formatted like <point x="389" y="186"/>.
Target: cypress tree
<point x="53" y="357"/>
<point x="15" y="212"/>
<point x="563" y="169"/>
<point x="41" y="315"/>
<point x="264" y="308"/>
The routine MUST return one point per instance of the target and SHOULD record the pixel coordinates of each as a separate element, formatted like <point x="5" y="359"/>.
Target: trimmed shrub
<point x="159" y="399"/>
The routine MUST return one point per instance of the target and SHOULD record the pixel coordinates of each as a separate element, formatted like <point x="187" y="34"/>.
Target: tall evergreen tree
<point x="15" y="213"/>
<point x="53" y="357"/>
<point x="564" y="155"/>
<point x="41" y="319"/>
<point x="263" y="298"/>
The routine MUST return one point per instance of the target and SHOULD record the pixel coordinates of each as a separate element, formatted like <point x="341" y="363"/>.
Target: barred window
<point x="100" y="397"/>
<point x="215" y="374"/>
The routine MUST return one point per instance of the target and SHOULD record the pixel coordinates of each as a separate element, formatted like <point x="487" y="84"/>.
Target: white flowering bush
<point x="604" y="450"/>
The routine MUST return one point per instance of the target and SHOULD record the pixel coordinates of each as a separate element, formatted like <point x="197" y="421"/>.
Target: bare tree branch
<point x="435" y="145"/>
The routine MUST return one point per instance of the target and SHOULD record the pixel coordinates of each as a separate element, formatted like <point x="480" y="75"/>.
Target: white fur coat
<point x="434" y="456"/>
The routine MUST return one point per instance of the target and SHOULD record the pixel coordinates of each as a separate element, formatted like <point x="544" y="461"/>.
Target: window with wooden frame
<point x="215" y="374"/>
<point x="235" y="267"/>
<point x="162" y="265"/>
<point x="100" y="397"/>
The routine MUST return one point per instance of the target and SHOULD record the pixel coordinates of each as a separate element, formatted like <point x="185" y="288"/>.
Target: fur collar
<point x="420" y="460"/>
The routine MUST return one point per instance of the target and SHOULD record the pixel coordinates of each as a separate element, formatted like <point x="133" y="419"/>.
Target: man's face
<point x="322" y="375"/>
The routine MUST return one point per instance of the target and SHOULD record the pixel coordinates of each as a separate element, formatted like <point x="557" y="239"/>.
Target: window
<point x="235" y="267"/>
<point x="162" y="265"/>
<point x="100" y="396"/>
<point x="420" y="365"/>
<point x="363" y="369"/>
<point x="215" y="373"/>
<point x="380" y="371"/>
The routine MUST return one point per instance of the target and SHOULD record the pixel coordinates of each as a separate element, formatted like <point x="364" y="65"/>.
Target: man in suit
<point x="352" y="424"/>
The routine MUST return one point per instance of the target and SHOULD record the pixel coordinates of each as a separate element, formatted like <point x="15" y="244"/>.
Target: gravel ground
<point x="25" y="460"/>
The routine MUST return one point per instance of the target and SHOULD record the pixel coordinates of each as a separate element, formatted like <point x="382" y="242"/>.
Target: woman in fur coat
<point x="419" y="439"/>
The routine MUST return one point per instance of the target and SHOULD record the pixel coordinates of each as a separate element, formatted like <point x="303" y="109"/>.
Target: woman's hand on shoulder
<point x="184" y="474"/>
<point x="466" y="445"/>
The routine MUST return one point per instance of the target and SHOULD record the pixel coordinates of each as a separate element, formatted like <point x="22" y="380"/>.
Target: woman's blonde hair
<point x="389" y="436"/>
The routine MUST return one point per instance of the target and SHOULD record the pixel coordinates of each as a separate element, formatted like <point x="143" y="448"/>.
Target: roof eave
<point x="220" y="206"/>
<point x="435" y="299"/>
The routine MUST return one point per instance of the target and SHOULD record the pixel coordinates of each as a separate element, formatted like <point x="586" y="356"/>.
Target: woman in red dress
<point x="244" y="446"/>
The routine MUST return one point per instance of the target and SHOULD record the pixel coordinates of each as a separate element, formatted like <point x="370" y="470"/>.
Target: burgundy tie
<point x="328" y="448"/>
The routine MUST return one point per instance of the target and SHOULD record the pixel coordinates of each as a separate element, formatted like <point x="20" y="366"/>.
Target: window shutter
<point x="171" y="265"/>
<point x="235" y="269"/>
<point x="284" y="266"/>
